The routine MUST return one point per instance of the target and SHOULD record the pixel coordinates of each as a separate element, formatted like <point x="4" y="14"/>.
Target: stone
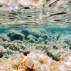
<point x="4" y="37"/>
<point x="26" y="53"/>
<point x="13" y="35"/>
<point x="31" y="40"/>
<point x="26" y="33"/>
<point x="35" y="32"/>
<point x="2" y="51"/>
<point x="31" y="36"/>
<point x="56" y="51"/>
<point x="35" y="35"/>
<point x="45" y="37"/>
<point x="40" y="40"/>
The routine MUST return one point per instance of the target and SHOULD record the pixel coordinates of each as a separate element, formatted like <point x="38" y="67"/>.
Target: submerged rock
<point x="34" y="31"/>
<point x="35" y="35"/>
<point x="26" y="33"/>
<point x="2" y="51"/>
<point x="31" y="38"/>
<point x="45" y="37"/>
<point x="56" y="51"/>
<point x="4" y="37"/>
<point x="13" y="35"/>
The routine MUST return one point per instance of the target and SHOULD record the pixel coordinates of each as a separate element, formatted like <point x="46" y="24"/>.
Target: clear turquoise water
<point x="52" y="30"/>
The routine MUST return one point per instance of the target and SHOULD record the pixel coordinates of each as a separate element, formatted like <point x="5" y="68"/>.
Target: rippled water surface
<point x="44" y="25"/>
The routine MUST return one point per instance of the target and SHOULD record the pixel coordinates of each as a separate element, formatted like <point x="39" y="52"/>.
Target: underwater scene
<point x="35" y="35"/>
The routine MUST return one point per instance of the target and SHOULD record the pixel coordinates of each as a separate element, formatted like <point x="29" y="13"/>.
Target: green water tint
<point x="5" y="30"/>
<point x="43" y="36"/>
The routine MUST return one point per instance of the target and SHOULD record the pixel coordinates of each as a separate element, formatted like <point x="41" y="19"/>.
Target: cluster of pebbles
<point x="35" y="62"/>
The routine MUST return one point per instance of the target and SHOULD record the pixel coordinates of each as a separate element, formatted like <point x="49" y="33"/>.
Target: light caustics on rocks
<point x="40" y="62"/>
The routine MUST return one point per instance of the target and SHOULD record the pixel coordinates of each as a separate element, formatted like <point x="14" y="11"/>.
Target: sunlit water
<point x="56" y="28"/>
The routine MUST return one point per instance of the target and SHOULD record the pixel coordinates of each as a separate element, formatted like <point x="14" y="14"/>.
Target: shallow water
<point x="49" y="29"/>
<point x="47" y="34"/>
<point x="48" y="26"/>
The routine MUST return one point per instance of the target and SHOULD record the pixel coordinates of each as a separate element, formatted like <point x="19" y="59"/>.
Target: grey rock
<point x="26" y="33"/>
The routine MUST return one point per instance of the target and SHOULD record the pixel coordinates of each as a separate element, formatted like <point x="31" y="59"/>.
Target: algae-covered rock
<point x="13" y="46"/>
<point x="13" y="35"/>
<point x="4" y="37"/>
<point x="2" y="51"/>
<point x="34" y="31"/>
<point x="40" y="40"/>
<point x="57" y="51"/>
<point x="35" y="35"/>
<point x="65" y="40"/>
<point x="45" y="37"/>
<point x="26" y="33"/>
<point x="31" y="38"/>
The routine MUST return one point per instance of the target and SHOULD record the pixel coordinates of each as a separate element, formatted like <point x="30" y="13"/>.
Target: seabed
<point x="36" y="39"/>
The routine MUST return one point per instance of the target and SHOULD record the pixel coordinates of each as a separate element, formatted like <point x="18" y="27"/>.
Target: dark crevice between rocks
<point x="1" y="55"/>
<point x="26" y="7"/>
<point x="28" y="69"/>
<point x="29" y="16"/>
<point x="1" y="5"/>
<point x="13" y="13"/>
<point x="60" y="13"/>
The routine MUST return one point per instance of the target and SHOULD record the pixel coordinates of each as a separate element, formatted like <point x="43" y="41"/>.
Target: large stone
<point x="57" y="51"/>
<point x="15" y="36"/>
<point x="37" y="32"/>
